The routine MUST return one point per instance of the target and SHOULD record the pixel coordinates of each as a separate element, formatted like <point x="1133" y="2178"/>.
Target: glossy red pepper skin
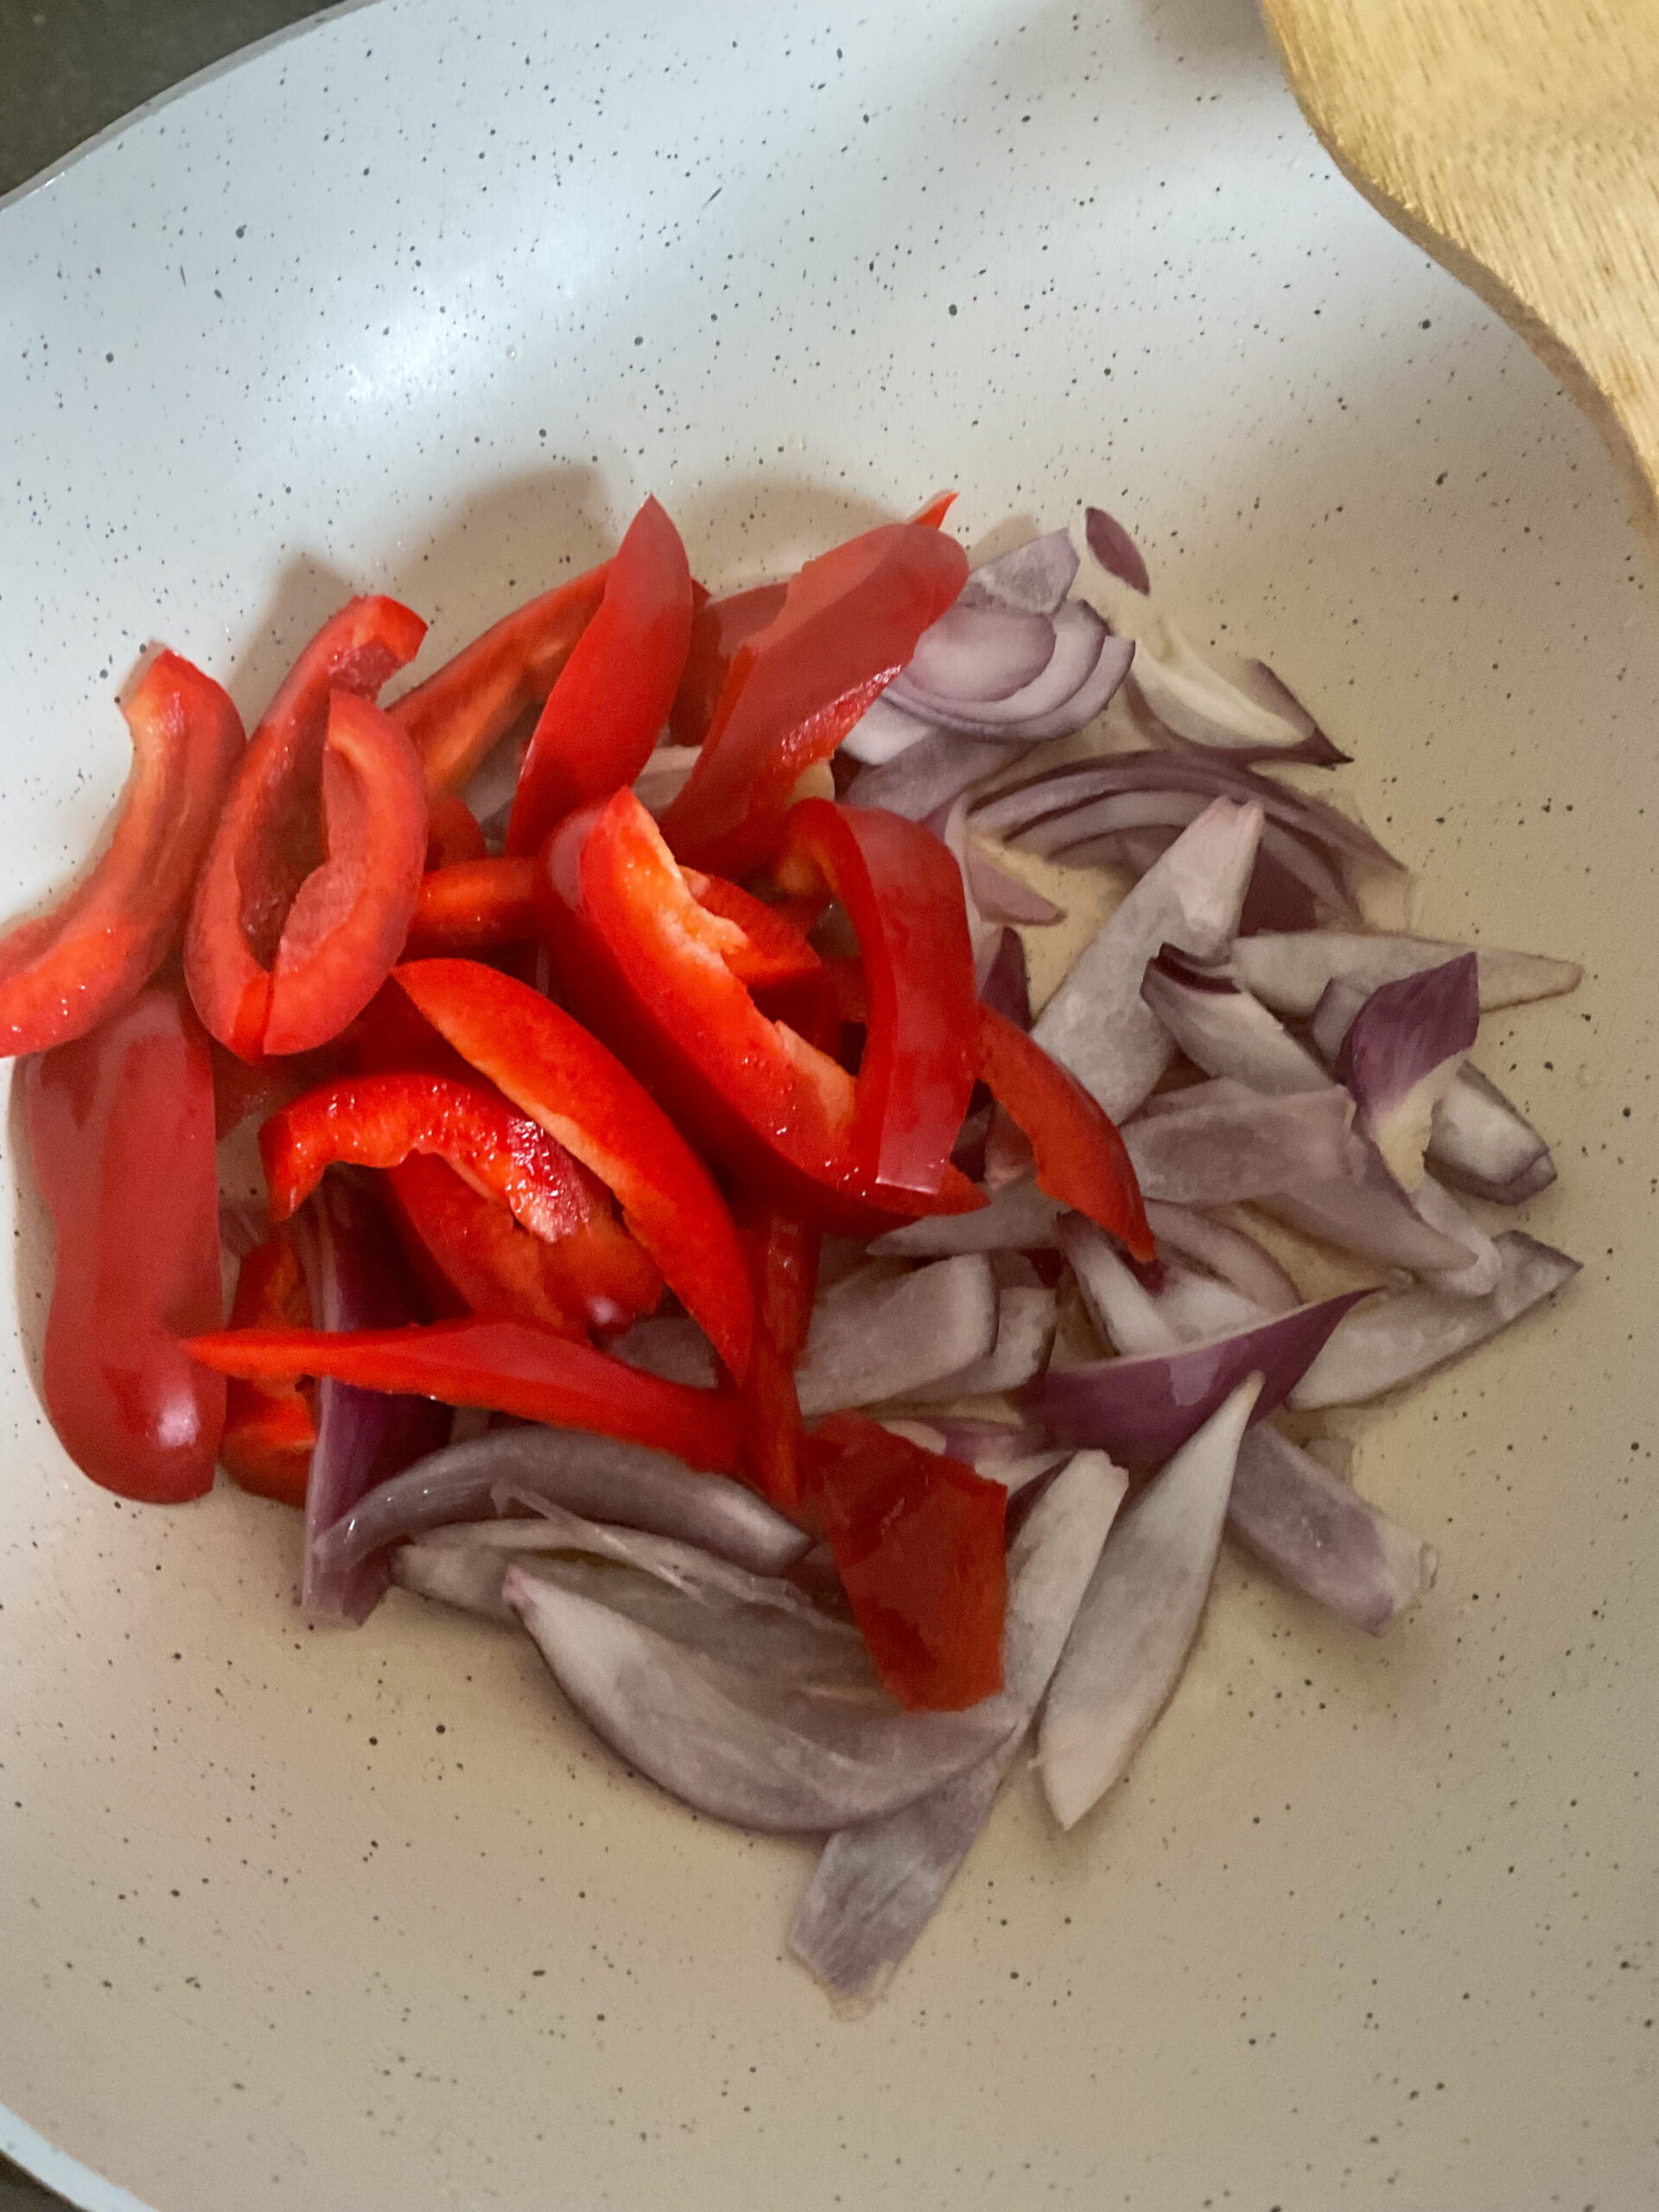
<point x="650" y="970"/>
<point x="64" y="972"/>
<point x="271" y="1429"/>
<point x="1080" y="1157"/>
<point x="473" y="906"/>
<point x="377" y="1120"/>
<point x="848" y="623"/>
<point x="512" y="1367"/>
<point x="605" y="710"/>
<point x="562" y="1077"/>
<point x="458" y="715"/>
<point x="453" y="836"/>
<point x="719" y="626"/>
<point x="774" y="951"/>
<point x="121" y="1128"/>
<point x="902" y="891"/>
<point x="782" y="1257"/>
<point x="917" y="1539"/>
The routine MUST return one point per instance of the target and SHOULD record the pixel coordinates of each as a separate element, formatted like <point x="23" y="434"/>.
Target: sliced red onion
<point x="663" y="777"/>
<point x="1288" y="972"/>
<point x="1096" y="1024"/>
<point x="1020" y="1218"/>
<point x="1482" y="1145"/>
<point x="1003" y="898"/>
<point x="885" y="732"/>
<point x="670" y="1345"/>
<point x="1142" y="1409"/>
<point x="1087" y="666"/>
<point x="1187" y="1307"/>
<point x="1321" y="1536"/>
<point x="1011" y="1453"/>
<point x="876" y="1337"/>
<point x="876" y="1887"/>
<point x="1012" y="811"/>
<point x="1221" y="1142"/>
<point x="1034" y="578"/>
<point x="1139" y="1616"/>
<point x="1483" y="1264"/>
<point x="1115" y="550"/>
<point x="949" y="825"/>
<point x="1372" y="1217"/>
<point x="1228" y="1252"/>
<point x="596" y="1475"/>
<point x="1226" y="1032"/>
<point x="926" y="772"/>
<point x="736" y="1743"/>
<point x="354" y="1273"/>
<point x="1246" y="712"/>
<point x="1404" y="1334"/>
<point x="1025" y="1335"/>
<point x="1400" y="1054"/>
<point x="979" y="654"/>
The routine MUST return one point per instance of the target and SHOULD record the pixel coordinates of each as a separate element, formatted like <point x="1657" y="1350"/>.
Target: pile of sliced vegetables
<point x="678" y="1237"/>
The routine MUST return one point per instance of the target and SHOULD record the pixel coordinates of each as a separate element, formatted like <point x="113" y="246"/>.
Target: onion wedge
<point x="871" y="1340"/>
<point x="1321" y="1536"/>
<point x="1288" y="972"/>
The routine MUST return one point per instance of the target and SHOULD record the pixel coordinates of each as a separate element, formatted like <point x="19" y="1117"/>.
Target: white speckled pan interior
<point x="424" y="300"/>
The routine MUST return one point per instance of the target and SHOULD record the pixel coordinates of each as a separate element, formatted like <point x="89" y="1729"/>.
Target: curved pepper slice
<point x="605" y="710"/>
<point x="472" y="1257"/>
<point x="270" y="837"/>
<point x="782" y="1257"/>
<point x="121" y="1126"/>
<point x="459" y="715"/>
<point x="270" y="1428"/>
<point x="512" y="1367"/>
<point x="1080" y="1157"/>
<point x="580" y="1094"/>
<point x="63" y="973"/>
<point x="650" y="970"/>
<point x="848" y="623"/>
<point x="771" y="949"/>
<point x="375" y="1121"/>
<point x="917" y="1539"/>
<point x="902" y="892"/>
<point x="452" y="833"/>
<point x="476" y="905"/>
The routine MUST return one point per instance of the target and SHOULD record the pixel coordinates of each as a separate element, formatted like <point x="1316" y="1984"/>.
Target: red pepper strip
<point x="389" y="1037"/>
<point x="644" y="965"/>
<point x="932" y="516"/>
<point x="452" y="833"/>
<point x="719" y="626"/>
<point x="917" y="1539"/>
<point x="566" y="1080"/>
<point x="902" y="892"/>
<point x="774" y="951"/>
<point x="604" y="714"/>
<point x="375" y="1121"/>
<point x="785" y="1263"/>
<point x="472" y="1257"/>
<point x="63" y="973"/>
<point x="474" y="906"/>
<point x="270" y="1429"/>
<point x="782" y="1257"/>
<point x="512" y="1367"/>
<point x="269" y="836"/>
<point x="845" y="972"/>
<point x="458" y="715"/>
<point x="849" y="623"/>
<point x="1080" y="1156"/>
<point x="121" y="1125"/>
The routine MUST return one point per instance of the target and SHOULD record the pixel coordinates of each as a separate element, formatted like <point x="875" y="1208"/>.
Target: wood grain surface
<point x="1517" y="141"/>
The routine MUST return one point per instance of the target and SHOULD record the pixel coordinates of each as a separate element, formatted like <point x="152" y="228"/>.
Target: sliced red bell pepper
<point x="1080" y="1157"/>
<point x="472" y="1257"/>
<point x="455" y="718"/>
<point x="270" y="1428"/>
<point x="719" y="626"/>
<point x="902" y="891"/>
<point x="917" y="1539"/>
<point x="452" y="833"/>
<point x="375" y="1121"/>
<point x="932" y="516"/>
<point x="471" y="906"/>
<point x="512" y="1367"/>
<point x="607" y="710"/>
<point x="782" y="1257"/>
<point x="270" y="836"/>
<point x="580" y="1094"/>
<point x="849" y="623"/>
<point x="647" y="967"/>
<point x="64" y="972"/>
<point x="242" y="1087"/>
<point x="121" y="1126"/>
<point x="773" y="951"/>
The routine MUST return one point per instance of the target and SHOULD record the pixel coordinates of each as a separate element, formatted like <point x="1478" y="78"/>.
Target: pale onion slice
<point x="876" y="1886"/>
<point x="1139" y="1617"/>
<point x="1025" y="1335"/>
<point x="1321" y="1536"/>
<point x="1220" y="1143"/>
<point x="1288" y="971"/>
<point x="886" y="1338"/>
<point x="1226" y="1251"/>
<point x="1227" y="1031"/>
<point x="1020" y="1218"/>
<point x="1034" y="578"/>
<point x="1401" y="1054"/>
<point x="925" y="771"/>
<point x="1133" y="1319"/>
<point x="736" y="1743"/>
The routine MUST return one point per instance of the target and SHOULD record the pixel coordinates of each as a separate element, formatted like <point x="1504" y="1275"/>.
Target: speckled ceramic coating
<point x="423" y="301"/>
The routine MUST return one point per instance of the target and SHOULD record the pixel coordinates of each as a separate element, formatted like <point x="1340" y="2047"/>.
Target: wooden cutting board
<point x="1517" y="141"/>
